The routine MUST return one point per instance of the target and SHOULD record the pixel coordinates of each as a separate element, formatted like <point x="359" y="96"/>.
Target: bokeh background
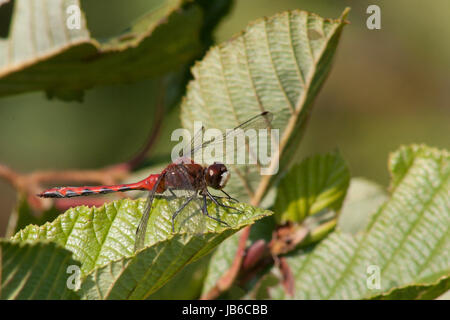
<point x="387" y="87"/>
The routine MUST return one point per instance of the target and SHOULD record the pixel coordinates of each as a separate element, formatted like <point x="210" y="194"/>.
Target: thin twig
<point x="288" y="277"/>
<point x="8" y="174"/>
<point x="225" y="282"/>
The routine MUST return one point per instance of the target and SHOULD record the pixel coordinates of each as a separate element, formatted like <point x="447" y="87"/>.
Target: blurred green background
<point x="387" y="87"/>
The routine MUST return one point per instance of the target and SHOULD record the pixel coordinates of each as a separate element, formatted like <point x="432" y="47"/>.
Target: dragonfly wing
<point x="142" y="227"/>
<point x="233" y="146"/>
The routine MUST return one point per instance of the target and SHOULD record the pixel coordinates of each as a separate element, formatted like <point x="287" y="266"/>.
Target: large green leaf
<point x="419" y="292"/>
<point x="408" y="238"/>
<point x="42" y="53"/>
<point x="140" y="276"/>
<point x="192" y="277"/>
<point x="363" y="199"/>
<point x="277" y="64"/>
<point x="102" y="239"/>
<point x="444" y="296"/>
<point x="35" y="271"/>
<point x="317" y="183"/>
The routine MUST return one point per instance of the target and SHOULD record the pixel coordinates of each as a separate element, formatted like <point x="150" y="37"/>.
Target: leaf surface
<point x="274" y="65"/>
<point x="317" y="183"/>
<point x="35" y="271"/>
<point x="407" y="240"/>
<point x="42" y="53"/>
<point x="363" y="199"/>
<point x="102" y="239"/>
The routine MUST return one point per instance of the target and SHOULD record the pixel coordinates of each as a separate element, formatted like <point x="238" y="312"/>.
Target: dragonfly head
<point x="217" y="175"/>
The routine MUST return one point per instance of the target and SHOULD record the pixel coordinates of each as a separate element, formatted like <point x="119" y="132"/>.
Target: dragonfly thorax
<point x="217" y="175"/>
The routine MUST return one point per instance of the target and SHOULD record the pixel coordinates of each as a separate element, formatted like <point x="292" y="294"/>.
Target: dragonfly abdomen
<point x="69" y="192"/>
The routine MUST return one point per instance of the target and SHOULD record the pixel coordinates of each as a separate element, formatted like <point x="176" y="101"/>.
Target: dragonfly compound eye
<point x="217" y="175"/>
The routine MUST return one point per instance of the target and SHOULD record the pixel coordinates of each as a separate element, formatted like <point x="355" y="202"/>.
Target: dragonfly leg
<point x="220" y="204"/>
<point x="220" y="197"/>
<point x="228" y="196"/>
<point x="178" y="211"/>
<point x="171" y="191"/>
<point x="205" y="212"/>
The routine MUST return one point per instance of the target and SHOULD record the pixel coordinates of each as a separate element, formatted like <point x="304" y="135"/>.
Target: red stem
<point x="228" y="278"/>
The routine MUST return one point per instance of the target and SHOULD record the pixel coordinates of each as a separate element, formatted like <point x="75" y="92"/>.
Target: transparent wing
<point x="260" y="121"/>
<point x="239" y="145"/>
<point x="141" y="230"/>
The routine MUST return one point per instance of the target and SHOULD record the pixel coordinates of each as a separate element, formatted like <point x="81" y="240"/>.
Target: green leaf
<point x="192" y="277"/>
<point x="444" y="296"/>
<point x="102" y="239"/>
<point x="221" y="260"/>
<point x="363" y="199"/>
<point x="64" y="61"/>
<point x="418" y="292"/>
<point x="23" y="215"/>
<point x="317" y="183"/>
<point x="408" y="238"/>
<point x="35" y="271"/>
<point x="260" y="291"/>
<point x="274" y="65"/>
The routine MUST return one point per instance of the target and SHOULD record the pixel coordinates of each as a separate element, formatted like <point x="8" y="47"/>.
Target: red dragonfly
<point x="182" y="178"/>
